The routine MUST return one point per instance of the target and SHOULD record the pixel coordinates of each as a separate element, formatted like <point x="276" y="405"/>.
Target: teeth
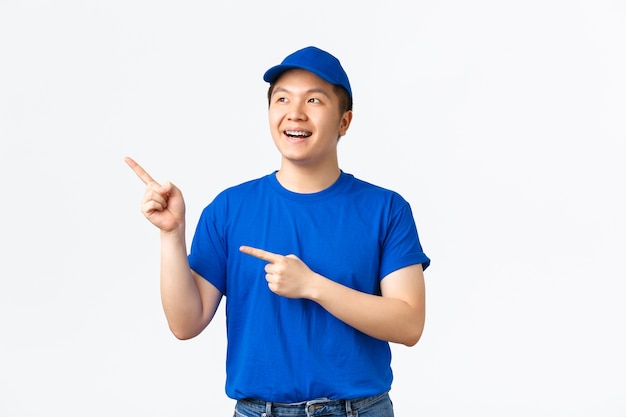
<point x="297" y="133"/>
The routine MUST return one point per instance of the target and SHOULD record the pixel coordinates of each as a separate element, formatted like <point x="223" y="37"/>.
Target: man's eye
<point x="281" y="99"/>
<point x="314" y="100"/>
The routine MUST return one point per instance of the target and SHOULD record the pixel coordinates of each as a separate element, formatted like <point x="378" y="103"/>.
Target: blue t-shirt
<point x="290" y="350"/>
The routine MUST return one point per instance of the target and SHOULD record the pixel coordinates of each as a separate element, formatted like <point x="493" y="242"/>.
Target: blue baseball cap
<point x="314" y="60"/>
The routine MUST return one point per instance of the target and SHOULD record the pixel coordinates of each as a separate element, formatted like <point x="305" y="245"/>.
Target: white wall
<point x="503" y="124"/>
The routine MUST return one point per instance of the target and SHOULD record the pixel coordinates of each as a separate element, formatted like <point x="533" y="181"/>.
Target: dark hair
<point x="345" y="101"/>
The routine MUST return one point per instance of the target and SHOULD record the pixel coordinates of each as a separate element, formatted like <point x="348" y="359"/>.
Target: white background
<point x="502" y="123"/>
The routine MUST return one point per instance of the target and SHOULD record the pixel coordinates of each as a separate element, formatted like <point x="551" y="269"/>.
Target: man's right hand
<point x="163" y="205"/>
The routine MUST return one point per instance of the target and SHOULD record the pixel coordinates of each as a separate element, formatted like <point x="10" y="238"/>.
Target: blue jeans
<point x="378" y="406"/>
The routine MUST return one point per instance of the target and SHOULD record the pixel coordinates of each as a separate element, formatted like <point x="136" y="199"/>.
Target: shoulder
<point x="236" y="195"/>
<point x="243" y="189"/>
<point x="367" y="189"/>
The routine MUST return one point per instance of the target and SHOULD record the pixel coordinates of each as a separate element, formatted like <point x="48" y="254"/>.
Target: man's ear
<point x="344" y="124"/>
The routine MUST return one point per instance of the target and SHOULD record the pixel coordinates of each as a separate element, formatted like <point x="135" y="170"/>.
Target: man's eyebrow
<point x="319" y="90"/>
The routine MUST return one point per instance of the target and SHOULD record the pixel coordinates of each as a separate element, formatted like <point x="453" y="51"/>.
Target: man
<point x="320" y="270"/>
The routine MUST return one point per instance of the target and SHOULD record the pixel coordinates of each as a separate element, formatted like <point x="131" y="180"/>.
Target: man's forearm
<point x="395" y="319"/>
<point x="180" y="296"/>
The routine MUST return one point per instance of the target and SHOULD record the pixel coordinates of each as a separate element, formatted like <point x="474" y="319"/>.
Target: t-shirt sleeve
<point x="207" y="255"/>
<point x="401" y="246"/>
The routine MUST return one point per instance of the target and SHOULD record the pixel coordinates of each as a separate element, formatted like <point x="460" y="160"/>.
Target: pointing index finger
<point x="260" y="253"/>
<point x="141" y="173"/>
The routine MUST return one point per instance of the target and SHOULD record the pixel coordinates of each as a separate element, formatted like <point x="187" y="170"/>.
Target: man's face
<point x="305" y="120"/>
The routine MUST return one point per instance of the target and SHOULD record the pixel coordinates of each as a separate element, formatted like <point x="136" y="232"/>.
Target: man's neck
<point x="307" y="180"/>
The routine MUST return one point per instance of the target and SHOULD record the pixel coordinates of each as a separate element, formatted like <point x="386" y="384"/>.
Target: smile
<point x="297" y="133"/>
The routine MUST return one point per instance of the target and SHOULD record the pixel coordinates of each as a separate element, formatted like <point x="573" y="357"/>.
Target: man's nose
<point x="296" y="111"/>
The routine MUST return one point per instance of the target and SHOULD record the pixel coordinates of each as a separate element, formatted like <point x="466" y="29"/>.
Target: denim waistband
<point x="317" y="407"/>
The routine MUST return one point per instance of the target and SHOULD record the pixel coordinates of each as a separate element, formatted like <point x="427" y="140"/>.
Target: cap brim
<point x="273" y="73"/>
